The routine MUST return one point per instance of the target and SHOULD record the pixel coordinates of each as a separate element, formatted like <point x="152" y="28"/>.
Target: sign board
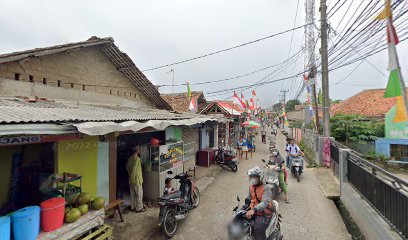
<point x="21" y="140"/>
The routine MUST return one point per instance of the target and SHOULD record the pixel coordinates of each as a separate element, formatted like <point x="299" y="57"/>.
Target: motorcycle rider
<point x="261" y="203"/>
<point x="294" y="151"/>
<point x="283" y="174"/>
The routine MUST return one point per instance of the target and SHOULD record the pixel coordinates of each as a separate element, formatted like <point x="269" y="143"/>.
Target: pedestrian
<point x="244" y="147"/>
<point x="134" y="169"/>
<point x="263" y="134"/>
<point x="239" y="147"/>
<point x="251" y="143"/>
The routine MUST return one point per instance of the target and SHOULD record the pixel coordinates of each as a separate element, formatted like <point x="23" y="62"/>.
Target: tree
<point x="355" y="128"/>
<point x="277" y="107"/>
<point x="290" y="105"/>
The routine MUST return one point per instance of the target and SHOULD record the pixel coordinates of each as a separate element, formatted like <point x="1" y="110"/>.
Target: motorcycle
<point x="241" y="228"/>
<point x="271" y="175"/>
<point x="175" y="206"/>
<point x="226" y="158"/>
<point x="296" y="166"/>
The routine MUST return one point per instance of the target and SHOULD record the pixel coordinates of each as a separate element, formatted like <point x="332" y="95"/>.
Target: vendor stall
<point x="163" y="158"/>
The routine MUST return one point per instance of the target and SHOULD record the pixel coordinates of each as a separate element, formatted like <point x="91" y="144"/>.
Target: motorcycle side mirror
<point x="170" y="172"/>
<point x="247" y="201"/>
<point x="238" y="199"/>
<point x="263" y="160"/>
<point x="235" y="208"/>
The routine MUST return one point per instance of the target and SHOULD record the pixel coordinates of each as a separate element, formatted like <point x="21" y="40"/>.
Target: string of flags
<point x="193" y="105"/>
<point x="395" y="85"/>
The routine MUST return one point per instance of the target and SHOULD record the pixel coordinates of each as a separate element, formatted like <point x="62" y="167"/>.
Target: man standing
<point x="134" y="169"/>
<point x="263" y="134"/>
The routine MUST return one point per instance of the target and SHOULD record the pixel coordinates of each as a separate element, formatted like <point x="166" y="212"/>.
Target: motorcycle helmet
<point x="256" y="171"/>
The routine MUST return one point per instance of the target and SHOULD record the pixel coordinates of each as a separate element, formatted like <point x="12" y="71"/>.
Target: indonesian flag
<point x="394" y="81"/>
<point x="239" y="100"/>
<point x="192" y="107"/>
<point x="253" y="93"/>
<point x="252" y="106"/>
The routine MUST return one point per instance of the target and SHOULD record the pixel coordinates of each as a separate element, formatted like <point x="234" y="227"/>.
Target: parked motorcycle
<point x="241" y="228"/>
<point x="271" y="176"/>
<point x="175" y="206"/>
<point x="226" y="158"/>
<point x="296" y="167"/>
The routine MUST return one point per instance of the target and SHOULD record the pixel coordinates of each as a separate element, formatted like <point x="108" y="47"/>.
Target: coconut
<point x="67" y="209"/>
<point x="73" y="215"/>
<point x="83" y="208"/>
<point x="84" y="198"/>
<point x="98" y="203"/>
<point x="72" y="198"/>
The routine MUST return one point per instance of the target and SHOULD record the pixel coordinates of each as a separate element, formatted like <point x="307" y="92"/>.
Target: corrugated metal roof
<point x="42" y="111"/>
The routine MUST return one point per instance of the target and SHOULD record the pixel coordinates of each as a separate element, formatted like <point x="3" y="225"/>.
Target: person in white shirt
<point x="293" y="150"/>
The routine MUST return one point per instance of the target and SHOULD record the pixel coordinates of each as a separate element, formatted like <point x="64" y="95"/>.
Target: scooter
<point x="241" y="228"/>
<point x="296" y="166"/>
<point x="272" y="178"/>
<point x="226" y="158"/>
<point x="175" y="206"/>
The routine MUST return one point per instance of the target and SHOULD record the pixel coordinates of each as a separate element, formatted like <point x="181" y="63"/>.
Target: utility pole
<point x="325" y="69"/>
<point x="310" y="43"/>
<point x="172" y="80"/>
<point x="284" y="96"/>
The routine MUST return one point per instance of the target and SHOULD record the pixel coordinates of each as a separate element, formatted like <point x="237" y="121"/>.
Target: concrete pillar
<point x="227" y="134"/>
<point x="216" y="135"/>
<point x="343" y="152"/>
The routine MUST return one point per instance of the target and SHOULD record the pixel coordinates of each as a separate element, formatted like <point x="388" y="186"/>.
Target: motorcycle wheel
<point x="196" y="198"/>
<point x="170" y="224"/>
<point x="298" y="176"/>
<point x="234" y="167"/>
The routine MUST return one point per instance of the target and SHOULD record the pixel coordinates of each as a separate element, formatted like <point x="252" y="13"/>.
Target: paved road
<point x="309" y="215"/>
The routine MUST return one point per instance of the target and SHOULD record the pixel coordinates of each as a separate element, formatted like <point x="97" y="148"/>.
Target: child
<point x="168" y="189"/>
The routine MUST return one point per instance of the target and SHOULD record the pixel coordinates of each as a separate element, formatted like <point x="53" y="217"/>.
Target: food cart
<point x="162" y="158"/>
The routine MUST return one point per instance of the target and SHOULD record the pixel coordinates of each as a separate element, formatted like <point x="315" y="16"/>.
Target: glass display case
<point x="163" y="158"/>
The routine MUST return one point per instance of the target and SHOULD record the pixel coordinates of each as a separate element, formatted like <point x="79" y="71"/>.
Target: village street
<point x="309" y="215"/>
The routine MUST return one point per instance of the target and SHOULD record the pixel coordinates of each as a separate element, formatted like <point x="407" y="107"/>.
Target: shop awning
<point x="102" y="128"/>
<point x="33" y="129"/>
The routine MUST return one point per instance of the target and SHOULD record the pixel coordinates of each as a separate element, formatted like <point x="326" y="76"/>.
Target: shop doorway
<point x="124" y="151"/>
<point x="24" y="170"/>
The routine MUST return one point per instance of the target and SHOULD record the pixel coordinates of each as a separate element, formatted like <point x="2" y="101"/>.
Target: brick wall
<point x="86" y="69"/>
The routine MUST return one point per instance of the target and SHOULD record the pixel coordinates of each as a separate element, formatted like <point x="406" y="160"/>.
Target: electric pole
<point x="325" y="69"/>
<point x="284" y="96"/>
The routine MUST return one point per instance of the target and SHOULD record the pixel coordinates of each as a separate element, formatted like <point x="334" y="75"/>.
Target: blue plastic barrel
<point x="5" y="228"/>
<point x="26" y="223"/>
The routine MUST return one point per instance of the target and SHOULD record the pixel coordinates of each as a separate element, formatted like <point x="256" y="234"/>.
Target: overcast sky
<point x="158" y="32"/>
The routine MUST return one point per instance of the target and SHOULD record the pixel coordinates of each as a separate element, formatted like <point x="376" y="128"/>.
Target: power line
<point x="226" y="49"/>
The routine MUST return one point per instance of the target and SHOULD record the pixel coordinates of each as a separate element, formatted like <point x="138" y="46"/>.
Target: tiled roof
<point x="180" y="101"/>
<point x="17" y="110"/>
<point x="369" y="103"/>
<point x="120" y="59"/>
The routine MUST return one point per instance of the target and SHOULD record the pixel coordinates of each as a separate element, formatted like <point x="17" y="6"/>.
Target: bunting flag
<point x="395" y="81"/>
<point x="253" y="93"/>
<point x="239" y="100"/>
<point x="188" y="90"/>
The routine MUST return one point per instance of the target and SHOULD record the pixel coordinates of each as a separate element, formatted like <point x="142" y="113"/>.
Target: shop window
<point x="398" y="151"/>
<point x="30" y="78"/>
<point x="59" y="83"/>
<point x="44" y="81"/>
<point x="17" y="76"/>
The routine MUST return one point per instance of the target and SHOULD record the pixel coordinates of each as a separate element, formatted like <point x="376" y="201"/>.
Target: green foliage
<point x="277" y="107"/>
<point x="290" y="105"/>
<point x="374" y="156"/>
<point x="332" y="102"/>
<point x="297" y="124"/>
<point x="309" y="153"/>
<point x="355" y="128"/>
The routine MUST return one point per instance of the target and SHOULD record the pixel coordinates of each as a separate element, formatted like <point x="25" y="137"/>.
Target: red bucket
<point x="52" y="214"/>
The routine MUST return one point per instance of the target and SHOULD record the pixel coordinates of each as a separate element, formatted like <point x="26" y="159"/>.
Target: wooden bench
<point x="112" y="207"/>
